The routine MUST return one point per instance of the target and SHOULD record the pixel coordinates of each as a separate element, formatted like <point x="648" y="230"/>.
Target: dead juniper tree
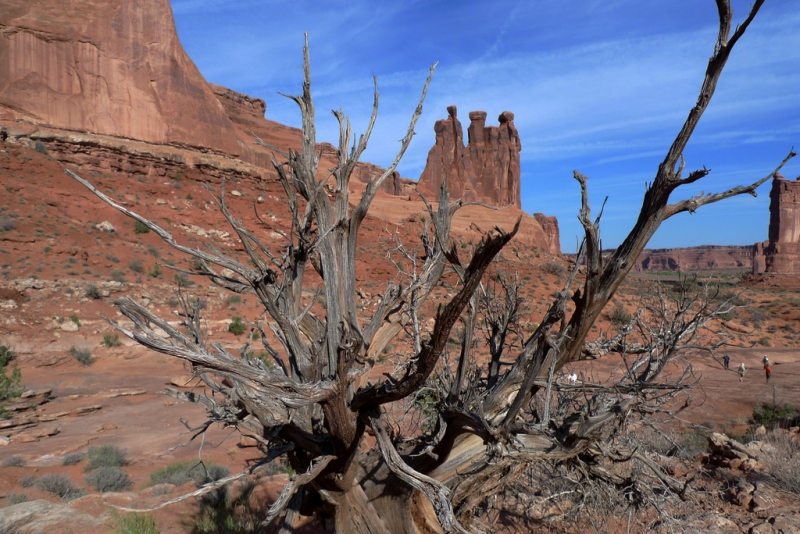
<point x="315" y="405"/>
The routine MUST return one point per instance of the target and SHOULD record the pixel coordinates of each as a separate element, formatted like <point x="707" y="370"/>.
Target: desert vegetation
<point x="458" y="423"/>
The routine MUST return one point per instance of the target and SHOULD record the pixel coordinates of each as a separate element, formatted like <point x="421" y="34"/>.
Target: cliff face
<point x="486" y="170"/>
<point x="782" y="253"/>
<point x="106" y="67"/>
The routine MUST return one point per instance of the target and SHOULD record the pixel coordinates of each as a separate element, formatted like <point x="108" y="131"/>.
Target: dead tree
<point x="311" y="402"/>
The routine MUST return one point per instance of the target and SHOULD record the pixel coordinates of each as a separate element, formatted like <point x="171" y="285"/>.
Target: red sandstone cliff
<point x="782" y="253"/>
<point x="106" y="67"/>
<point x="486" y="170"/>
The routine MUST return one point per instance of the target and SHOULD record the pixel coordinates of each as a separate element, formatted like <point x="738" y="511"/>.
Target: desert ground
<point x="60" y="272"/>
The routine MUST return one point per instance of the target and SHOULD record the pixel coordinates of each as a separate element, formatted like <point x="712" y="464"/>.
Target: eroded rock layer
<point x="107" y="67"/>
<point x="782" y="253"/>
<point x="486" y="170"/>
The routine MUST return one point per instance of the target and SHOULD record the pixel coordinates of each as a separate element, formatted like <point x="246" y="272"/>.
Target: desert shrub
<point x="60" y="486"/>
<point x="136" y="266"/>
<point x="175" y="473"/>
<point x="764" y="341"/>
<point x="241" y="515"/>
<point x="771" y="415"/>
<point x="237" y="326"/>
<point x="10" y="386"/>
<point x="106" y="456"/>
<point x="7" y="224"/>
<point x="27" y="481"/>
<point x="72" y="458"/>
<point x="108" y="478"/>
<point x="82" y="355"/>
<point x="16" y="498"/>
<point x="111" y="340"/>
<point x="92" y="292"/>
<point x="553" y="267"/>
<point x="140" y="228"/>
<point x="784" y="462"/>
<point x="234" y="299"/>
<point x="75" y="319"/>
<point x="619" y="317"/>
<point x="183" y="280"/>
<point x="14" y="461"/>
<point x="155" y="272"/>
<point x="117" y="275"/>
<point x="203" y="474"/>
<point x="134" y="524"/>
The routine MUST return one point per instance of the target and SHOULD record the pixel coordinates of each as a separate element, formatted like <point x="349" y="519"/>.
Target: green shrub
<point x="175" y="473"/>
<point x="203" y="474"/>
<point x="140" y="228"/>
<point x="183" y="280"/>
<point x="106" y="456"/>
<point x="117" y="275"/>
<point x="237" y="326"/>
<point x="155" y="272"/>
<point x="134" y="524"/>
<point x="108" y="478"/>
<point x="234" y="299"/>
<point x="771" y="415"/>
<point x="764" y="341"/>
<point x="14" y="461"/>
<point x="111" y="340"/>
<point x="82" y="355"/>
<point x="72" y="458"/>
<point x="619" y="317"/>
<point x="10" y="386"/>
<point x="75" y="319"/>
<point x="60" y="486"/>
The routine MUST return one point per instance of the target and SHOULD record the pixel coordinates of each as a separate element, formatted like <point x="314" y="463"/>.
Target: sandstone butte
<point x="107" y="84"/>
<point x="781" y="253"/>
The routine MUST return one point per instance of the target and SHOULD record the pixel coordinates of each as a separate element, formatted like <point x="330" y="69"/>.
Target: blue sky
<point x="601" y="86"/>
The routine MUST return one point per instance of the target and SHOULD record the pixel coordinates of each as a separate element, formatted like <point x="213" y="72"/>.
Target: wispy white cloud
<point x="591" y="87"/>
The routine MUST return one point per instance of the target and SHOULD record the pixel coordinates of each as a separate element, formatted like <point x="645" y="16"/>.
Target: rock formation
<point x="782" y="254"/>
<point x="703" y="258"/>
<point x="106" y="67"/>
<point x="486" y="170"/>
<point x="552" y="234"/>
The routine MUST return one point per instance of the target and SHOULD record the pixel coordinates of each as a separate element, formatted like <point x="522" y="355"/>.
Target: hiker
<point x="768" y="371"/>
<point x="741" y="372"/>
<point x="726" y="362"/>
<point x="573" y="378"/>
<point x="765" y="361"/>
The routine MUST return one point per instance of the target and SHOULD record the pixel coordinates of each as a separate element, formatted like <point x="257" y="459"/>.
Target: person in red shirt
<point x="768" y="371"/>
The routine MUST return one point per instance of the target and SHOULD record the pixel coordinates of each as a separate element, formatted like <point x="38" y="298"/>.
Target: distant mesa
<point x="781" y="253"/>
<point x="486" y="170"/>
<point x="689" y="259"/>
